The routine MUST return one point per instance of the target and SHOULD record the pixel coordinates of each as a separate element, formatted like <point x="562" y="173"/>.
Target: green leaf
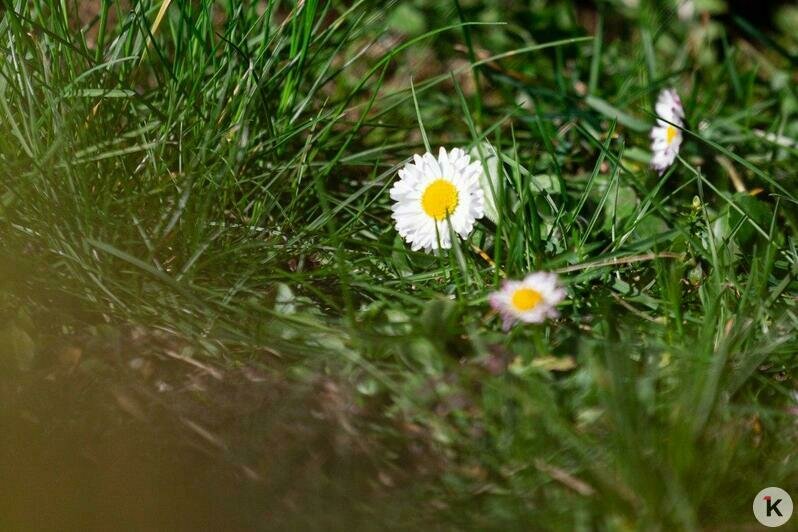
<point x="100" y="93"/>
<point x="490" y="178"/>
<point x="613" y="113"/>
<point x="545" y="183"/>
<point x="408" y="20"/>
<point x="753" y="209"/>
<point x="439" y="317"/>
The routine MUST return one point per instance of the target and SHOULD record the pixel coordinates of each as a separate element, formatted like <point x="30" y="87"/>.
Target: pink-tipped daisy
<point x="530" y="300"/>
<point x="666" y="138"/>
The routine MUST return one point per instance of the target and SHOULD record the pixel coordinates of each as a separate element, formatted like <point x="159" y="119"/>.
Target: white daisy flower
<point x="530" y="300"/>
<point x="665" y="137"/>
<point x="433" y="193"/>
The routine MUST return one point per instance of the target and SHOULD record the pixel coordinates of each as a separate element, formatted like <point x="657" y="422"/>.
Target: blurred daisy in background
<point x="530" y="300"/>
<point x="665" y="136"/>
<point x="685" y="9"/>
<point x="433" y="194"/>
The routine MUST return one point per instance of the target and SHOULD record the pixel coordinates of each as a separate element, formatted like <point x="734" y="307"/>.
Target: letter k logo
<point x="772" y="507"/>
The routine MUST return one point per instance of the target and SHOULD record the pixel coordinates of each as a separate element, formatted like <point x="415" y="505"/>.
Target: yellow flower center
<point x="670" y="134"/>
<point x="526" y="299"/>
<point x="439" y="199"/>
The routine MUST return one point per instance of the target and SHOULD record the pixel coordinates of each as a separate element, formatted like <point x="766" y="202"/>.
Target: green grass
<point x="222" y="171"/>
